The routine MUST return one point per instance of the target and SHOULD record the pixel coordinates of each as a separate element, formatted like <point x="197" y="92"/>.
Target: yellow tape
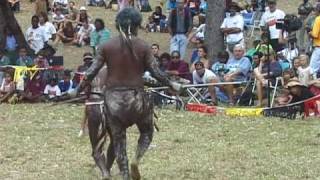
<point x="244" y="111"/>
<point x="20" y="71"/>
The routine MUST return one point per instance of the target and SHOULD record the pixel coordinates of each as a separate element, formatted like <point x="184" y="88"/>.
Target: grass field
<point x="40" y="142"/>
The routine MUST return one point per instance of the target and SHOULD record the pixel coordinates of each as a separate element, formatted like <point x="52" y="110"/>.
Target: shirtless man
<point x="126" y="102"/>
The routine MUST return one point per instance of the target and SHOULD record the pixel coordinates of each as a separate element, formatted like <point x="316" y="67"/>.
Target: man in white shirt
<point x="201" y="75"/>
<point x="232" y="27"/>
<point x="269" y="20"/>
<point x="36" y="35"/>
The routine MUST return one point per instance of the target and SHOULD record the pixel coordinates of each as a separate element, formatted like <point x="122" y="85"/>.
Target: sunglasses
<point x="175" y="57"/>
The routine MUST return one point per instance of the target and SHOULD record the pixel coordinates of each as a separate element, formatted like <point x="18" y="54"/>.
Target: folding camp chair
<point x="274" y="88"/>
<point x="254" y="26"/>
<point x="197" y="95"/>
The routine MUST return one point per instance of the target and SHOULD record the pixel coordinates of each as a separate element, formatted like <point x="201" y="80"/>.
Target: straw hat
<point x="82" y="8"/>
<point x="294" y="82"/>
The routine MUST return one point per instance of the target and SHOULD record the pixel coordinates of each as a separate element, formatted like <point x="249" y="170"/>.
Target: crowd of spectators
<point x="273" y="59"/>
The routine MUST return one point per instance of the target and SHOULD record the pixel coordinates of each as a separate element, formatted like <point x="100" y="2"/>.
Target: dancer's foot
<point x="135" y="174"/>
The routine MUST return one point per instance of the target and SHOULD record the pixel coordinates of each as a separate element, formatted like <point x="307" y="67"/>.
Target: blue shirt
<point x="242" y="65"/>
<point x="11" y="43"/>
<point x="65" y="86"/>
<point x="194" y="56"/>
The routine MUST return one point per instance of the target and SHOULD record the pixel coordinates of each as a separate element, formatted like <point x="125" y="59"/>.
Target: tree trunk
<point x="7" y="20"/>
<point x="213" y="35"/>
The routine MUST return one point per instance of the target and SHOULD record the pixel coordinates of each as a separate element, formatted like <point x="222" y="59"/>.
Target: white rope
<point x="94" y="103"/>
<point x="200" y="85"/>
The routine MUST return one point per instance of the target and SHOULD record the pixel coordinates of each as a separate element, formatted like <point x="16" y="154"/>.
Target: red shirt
<point x="180" y="66"/>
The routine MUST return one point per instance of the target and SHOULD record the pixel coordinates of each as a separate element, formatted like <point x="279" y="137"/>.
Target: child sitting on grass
<point x="7" y="88"/>
<point x="52" y="91"/>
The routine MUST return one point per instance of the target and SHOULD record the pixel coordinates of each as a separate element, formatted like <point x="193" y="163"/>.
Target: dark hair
<point x="67" y="73"/>
<point x="199" y="63"/>
<point x="53" y="79"/>
<point x="98" y="20"/>
<point x="205" y="49"/>
<point x="72" y="2"/>
<point x="201" y="41"/>
<point x="165" y="55"/>
<point x="223" y="54"/>
<point x="35" y="17"/>
<point x="160" y="9"/>
<point x="45" y="16"/>
<point x="258" y="53"/>
<point x="128" y="21"/>
<point x="155" y="44"/>
<point x="175" y="52"/>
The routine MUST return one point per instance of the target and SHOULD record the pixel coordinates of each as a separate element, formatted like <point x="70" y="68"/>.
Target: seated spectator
<point x="82" y="17"/>
<point x="285" y="64"/>
<point x="4" y="60"/>
<point x="262" y="76"/>
<point x="66" y="35"/>
<point x="14" y="5"/>
<point x="284" y="98"/>
<point x="298" y="91"/>
<point x="52" y="91"/>
<point x="50" y="30"/>
<point x="304" y="70"/>
<point x="151" y="25"/>
<point x="66" y="84"/>
<point x="155" y="48"/>
<point x="178" y="69"/>
<point x="164" y="61"/>
<point x="58" y="18"/>
<point x="7" y="88"/>
<point x="202" y="57"/>
<point x="87" y="61"/>
<point x="24" y="59"/>
<point x="157" y="16"/>
<point x="41" y="61"/>
<point x="256" y="59"/>
<point x="83" y="35"/>
<point x="286" y="76"/>
<point x="100" y="35"/>
<point x="295" y="65"/>
<point x="34" y="88"/>
<point x="202" y="75"/>
<point x="36" y="35"/>
<point x="220" y="67"/>
<point x="239" y="67"/>
<point x="194" y="55"/>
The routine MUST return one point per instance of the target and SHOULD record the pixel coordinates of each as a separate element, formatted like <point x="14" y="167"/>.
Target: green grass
<point x="40" y="142"/>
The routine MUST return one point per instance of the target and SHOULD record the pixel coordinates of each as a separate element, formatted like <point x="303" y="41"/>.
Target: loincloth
<point x="127" y="105"/>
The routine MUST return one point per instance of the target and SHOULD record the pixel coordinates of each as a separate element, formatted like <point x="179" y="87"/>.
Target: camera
<point x="289" y="23"/>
